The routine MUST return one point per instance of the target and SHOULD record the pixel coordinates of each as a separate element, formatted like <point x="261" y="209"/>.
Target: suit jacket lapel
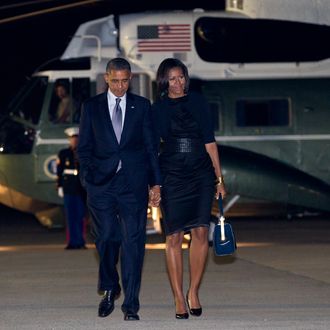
<point x="128" y="117"/>
<point x="105" y="114"/>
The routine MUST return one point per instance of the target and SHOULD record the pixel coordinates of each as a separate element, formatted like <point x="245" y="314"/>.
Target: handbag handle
<point x="221" y="219"/>
<point x="220" y="204"/>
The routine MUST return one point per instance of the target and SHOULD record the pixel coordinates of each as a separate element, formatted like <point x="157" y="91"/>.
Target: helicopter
<point x="268" y="91"/>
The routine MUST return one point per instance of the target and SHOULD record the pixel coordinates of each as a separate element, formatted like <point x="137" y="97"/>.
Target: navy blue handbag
<point x="224" y="242"/>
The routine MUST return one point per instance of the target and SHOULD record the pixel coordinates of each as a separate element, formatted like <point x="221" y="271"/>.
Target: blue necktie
<point x="117" y="119"/>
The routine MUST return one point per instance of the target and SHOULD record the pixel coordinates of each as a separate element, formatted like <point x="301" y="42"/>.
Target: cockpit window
<point x="15" y="137"/>
<point x="67" y="99"/>
<point x="17" y="127"/>
<point x="62" y="103"/>
<point x="27" y="105"/>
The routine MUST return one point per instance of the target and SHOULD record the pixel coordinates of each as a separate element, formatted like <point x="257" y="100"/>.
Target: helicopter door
<point x="63" y="110"/>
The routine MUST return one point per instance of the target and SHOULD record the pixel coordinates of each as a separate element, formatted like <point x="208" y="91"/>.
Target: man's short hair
<point x="118" y="63"/>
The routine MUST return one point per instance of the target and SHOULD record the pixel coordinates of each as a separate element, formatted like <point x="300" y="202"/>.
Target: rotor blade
<point x="46" y="11"/>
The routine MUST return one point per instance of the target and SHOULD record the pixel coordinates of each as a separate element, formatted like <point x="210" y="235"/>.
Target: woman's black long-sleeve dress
<point x="184" y="126"/>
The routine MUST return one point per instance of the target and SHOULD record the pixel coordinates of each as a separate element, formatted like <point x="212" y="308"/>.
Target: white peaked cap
<point x="71" y="131"/>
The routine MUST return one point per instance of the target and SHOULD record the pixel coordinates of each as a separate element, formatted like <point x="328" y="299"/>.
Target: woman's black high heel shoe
<point x="182" y="316"/>
<point x="193" y="311"/>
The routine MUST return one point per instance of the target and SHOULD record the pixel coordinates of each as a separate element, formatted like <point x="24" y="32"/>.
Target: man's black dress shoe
<point x="107" y="304"/>
<point x="193" y="311"/>
<point x="130" y="316"/>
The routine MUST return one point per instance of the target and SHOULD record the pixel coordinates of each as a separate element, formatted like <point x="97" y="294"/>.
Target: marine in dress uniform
<point x="69" y="187"/>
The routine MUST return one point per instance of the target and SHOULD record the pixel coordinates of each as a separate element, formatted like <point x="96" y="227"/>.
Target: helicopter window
<point x="262" y="112"/>
<point x="67" y="99"/>
<point x="27" y="105"/>
<point x="236" y="4"/>
<point x="62" y="104"/>
<point x="234" y="40"/>
<point x="81" y="91"/>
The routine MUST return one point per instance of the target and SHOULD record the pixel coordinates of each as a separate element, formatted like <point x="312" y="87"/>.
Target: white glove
<point x="60" y="192"/>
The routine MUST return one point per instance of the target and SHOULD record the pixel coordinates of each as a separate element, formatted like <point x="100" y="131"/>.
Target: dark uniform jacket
<point x="68" y="172"/>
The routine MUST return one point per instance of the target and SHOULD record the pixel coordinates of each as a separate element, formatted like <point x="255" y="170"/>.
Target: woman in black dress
<point x="192" y="176"/>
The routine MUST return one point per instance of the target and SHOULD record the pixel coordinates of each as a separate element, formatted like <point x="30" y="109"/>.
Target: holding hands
<point x="154" y="196"/>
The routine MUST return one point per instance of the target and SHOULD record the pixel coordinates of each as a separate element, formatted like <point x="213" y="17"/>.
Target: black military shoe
<point x="107" y="304"/>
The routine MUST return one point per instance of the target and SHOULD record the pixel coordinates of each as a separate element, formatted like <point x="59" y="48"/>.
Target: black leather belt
<point x="184" y="145"/>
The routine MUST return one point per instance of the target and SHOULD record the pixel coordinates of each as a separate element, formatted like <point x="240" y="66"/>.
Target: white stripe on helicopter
<point x="305" y="137"/>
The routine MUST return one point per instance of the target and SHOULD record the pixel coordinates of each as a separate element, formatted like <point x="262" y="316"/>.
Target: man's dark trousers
<point x="119" y="220"/>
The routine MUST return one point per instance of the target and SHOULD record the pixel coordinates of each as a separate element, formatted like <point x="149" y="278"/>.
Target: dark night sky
<point x="26" y="43"/>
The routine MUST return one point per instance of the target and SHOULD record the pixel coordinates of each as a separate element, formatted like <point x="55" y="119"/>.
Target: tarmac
<point x="279" y="278"/>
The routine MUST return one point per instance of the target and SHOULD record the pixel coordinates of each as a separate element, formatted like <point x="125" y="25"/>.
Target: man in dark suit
<point x="118" y="159"/>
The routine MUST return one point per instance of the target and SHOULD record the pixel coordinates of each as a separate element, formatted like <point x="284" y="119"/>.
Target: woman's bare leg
<point x="198" y="251"/>
<point x="175" y="269"/>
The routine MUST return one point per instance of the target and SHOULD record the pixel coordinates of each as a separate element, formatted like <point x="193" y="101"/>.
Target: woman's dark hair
<point x="162" y="75"/>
